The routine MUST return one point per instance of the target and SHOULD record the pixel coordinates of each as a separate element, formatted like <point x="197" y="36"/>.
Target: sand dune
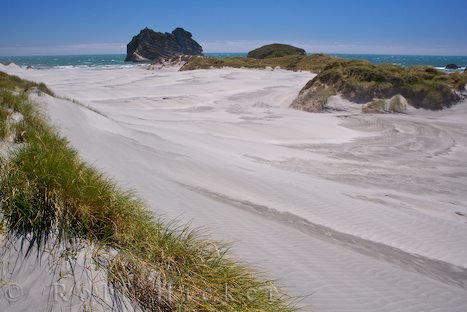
<point x="353" y="212"/>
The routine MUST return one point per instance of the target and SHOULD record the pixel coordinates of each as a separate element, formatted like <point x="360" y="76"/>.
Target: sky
<point x="423" y="27"/>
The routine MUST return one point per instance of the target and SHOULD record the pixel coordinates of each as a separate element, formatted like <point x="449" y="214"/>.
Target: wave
<point x="88" y="66"/>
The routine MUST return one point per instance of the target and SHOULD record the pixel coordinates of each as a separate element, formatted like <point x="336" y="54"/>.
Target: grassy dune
<point x="313" y="63"/>
<point x="47" y="191"/>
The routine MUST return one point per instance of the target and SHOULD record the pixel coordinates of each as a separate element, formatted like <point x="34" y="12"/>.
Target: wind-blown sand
<point x="354" y="212"/>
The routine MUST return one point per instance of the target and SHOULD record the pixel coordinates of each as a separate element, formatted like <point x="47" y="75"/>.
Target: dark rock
<point x="150" y="46"/>
<point x="275" y="50"/>
<point x="451" y="66"/>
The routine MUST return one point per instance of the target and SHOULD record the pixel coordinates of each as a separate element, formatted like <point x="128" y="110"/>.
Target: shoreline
<point x="436" y="61"/>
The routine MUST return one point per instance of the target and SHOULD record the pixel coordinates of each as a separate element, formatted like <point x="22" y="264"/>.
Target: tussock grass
<point x="14" y="83"/>
<point x="47" y="192"/>
<point x="12" y="103"/>
<point x="4" y="114"/>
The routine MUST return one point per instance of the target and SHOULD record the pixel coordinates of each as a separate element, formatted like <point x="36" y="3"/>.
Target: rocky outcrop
<point x="396" y="104"/>
<point x="313" y="97"/>
<point x="149" y="46"/>
<point x="275" y="50"/>
<point x="451" y="66"/>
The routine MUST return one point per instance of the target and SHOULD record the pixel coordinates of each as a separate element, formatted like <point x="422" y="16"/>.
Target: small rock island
<point x="150" y="46"/>
<point x="275" y="50"/>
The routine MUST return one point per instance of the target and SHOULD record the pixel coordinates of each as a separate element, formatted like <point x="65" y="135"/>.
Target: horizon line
<point x="239" y="52"/>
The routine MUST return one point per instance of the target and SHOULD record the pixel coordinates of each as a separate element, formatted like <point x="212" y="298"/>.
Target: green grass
<point x="313" y="63"/>
<point x="14" y="83"/>
<point x="4" y="114"/>
<point x="47" y="192"/>
<point x="11" y="102"/>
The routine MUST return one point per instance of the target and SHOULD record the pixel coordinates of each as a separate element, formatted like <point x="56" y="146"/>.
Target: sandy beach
<point x="348" y="212"/>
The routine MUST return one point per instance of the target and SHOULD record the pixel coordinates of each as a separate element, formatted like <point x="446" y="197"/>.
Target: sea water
<point x="68" y="61"/>
<point x="118" y="60"/>
<point x="437" y="61"/>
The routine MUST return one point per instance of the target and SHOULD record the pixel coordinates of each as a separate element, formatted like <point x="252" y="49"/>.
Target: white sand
<point x="357" y="213"/>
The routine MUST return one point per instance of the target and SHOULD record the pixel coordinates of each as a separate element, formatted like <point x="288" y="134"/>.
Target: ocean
<point x="437" y="61"/>
<point x="69" y="61"/>
<point x="117" y="60"/>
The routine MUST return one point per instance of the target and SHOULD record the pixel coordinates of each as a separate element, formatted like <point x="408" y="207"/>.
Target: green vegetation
<point x="48" y="193"/>
<point x="3" y="123"/>
<point x="11" y="103"/>
<point x="14" y="83"/>
<point x="313" y="63"/>
<point x="275" y="50"/>
<point x="362" y="82"/>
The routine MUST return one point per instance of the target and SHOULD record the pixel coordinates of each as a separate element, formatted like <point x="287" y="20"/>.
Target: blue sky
<point x="51" y="27"/>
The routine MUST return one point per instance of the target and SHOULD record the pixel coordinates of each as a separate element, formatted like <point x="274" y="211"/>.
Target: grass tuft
<point x="14" y="83"/>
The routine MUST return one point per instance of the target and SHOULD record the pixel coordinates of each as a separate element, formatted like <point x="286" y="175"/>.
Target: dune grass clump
<point x="14" y="83"/>
<point x="48" y="193"/>
<point x="11" y="103"/>
<point x="4" y="114"/>
<point x="362" y="82"/>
